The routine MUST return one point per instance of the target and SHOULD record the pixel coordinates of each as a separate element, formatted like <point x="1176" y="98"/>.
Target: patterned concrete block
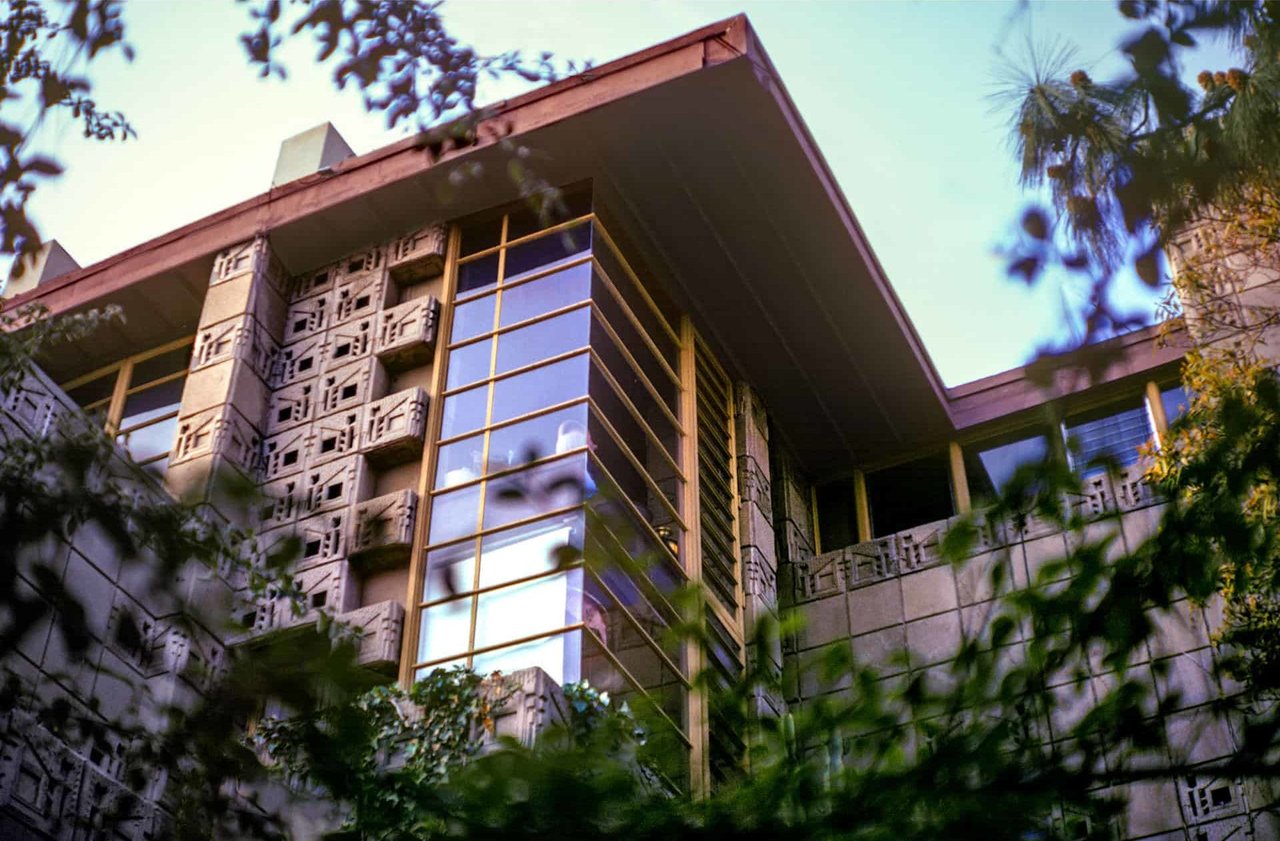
<point x="330" y="587"/>
<point x="349" y="341"/>
<point x="291" y="406"/>
<point x="380" y="627"/>
<point x="337" y="484"/>
<point x="336" y="436"/>
<point x="363" y="293"/>
<point x="407" y="333"/>
<point x="382" y="527"/>
<point x="316" y="282"/>
<point x="240" y="338"/>
<point x="221" y="430"/>
<point x="284" y="454"/>
<point x="394" y="427"/>
<point x="283" y="502"/>
<point x="352" y="385"/>
<point x="419" y="255"/>
<point x="300" y="360"/>
<point x="308" y="317"/>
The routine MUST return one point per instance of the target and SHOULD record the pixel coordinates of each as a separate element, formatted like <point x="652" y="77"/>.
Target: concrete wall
<point x="896" y="594"/>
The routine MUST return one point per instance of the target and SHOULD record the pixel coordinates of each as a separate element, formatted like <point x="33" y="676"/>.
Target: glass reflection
<point x="446" y="630"/>
<point x="481" y="273"/>
<point x="454" y="514"/>
<point x="560" y="656"/>
<point x="530" y="549"/>
<point x="450" y="570"/>
<point x="546" y="251"/>
<point x="524" y="610"/>
<point x="558" y="382"/>
<point x="151" y="403"/>
<point x="534" y="491"/>
<point x="150" y="441"/>
<point x="469" y="363"/>
<point x="464" y="411"/>
<point x="459" y="462"/>
<point x="473" y="318"/>
<point x="529" y="300"/>
<point x="527" y="345"/>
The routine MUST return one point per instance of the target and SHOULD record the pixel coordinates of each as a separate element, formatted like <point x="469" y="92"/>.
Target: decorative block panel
<point x="383" y="527"/>
<point x="419" y="255"/>
<point x="240" y="338"/>
<point x="330" y="587"/>
<point x="284" y="454"/>
<point x="292" y="405"/>
<point x="365" y="262"/>
<point x="336" y="436"/>
<point x="307" y="317"/>
<point x="338" y="484"/>
<point x="223" y="431"/>
<point x="361" y="295"/>
<point x="237" y="260"/>
<point x="323" y="538"/>
<point x="349" y="341"/>
<point x="352" y="385"/>
<point x="314" y="282"/>
<point x="394" y="427"/>
<point x="380" y="626"/>
<point x="35" y="404"/>
<point x="299" y="361"/>
<point x="282" y="502"/>
<point x="407" y="333"/>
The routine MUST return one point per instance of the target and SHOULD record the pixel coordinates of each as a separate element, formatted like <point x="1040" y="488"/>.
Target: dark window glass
<point x="558" y="382"/>
<point x="152" y="403"/>
<point x="837" y="515"/>
<point x="469" y="363"/>
<point x="632" y="339"/>
<point x="622" y="417"/>
<point x="94" y="391"/>
<point x="472" y="318"/>
<point x="546" y="294"/>
<point x="1111" y="436"/>
<point x="630" y="293"/>
<point x="909" y="495"/>
<point x="989" y="467"/>
<point x="546" y="251"/>
<point x="526" y="219"/>
<point x="481" y="233"/>
<point x="156" y="367"/>
<point x="1175" y="403"/>
<point x="478" y="274"/>
<point x="464" y="411"/>
<point x="527" y="345"/>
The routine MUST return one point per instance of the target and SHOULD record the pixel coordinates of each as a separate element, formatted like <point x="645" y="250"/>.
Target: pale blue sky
<point x="895" y="94"/>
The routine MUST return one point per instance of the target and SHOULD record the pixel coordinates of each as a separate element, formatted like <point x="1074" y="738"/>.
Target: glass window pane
<point x="626" y="373"/>
<point x="469" y="363"/>
<point x="550" y="434"/>
<point x="546" y="251"/>
<point x="170" y="362"/>
<point x="478" y="274"/>
<point x="1175" y="403"/>
<point x="533" y="607"/>
<point x="450" y="570"/>
<point x="560" y="656"/>
<point x="636" y="303"/>
<point x="94" y="390"/>
<point x="603" y="616"/>
<point x="528" y="493"/>
<point x="481" y="233"/>
<point x="546" y="294"/>
<point x="545" y="339"/>
<point x="464" y="411"/>
<point x="454" y="514"/>
<point x="632" y="339"/>
<point x="446" y="629"/>
<point x="909" y="495"/>
<point x="151" y="403"/>
<point x="1114" y="436"/>
<point x="837" y="514"/>
<point x="632" y="542"/>
<point x="150" y="441"/>
<point x="989" y="468"/>
<point x="472" y="318"/>
<point x="624" y="419"/>
<point x="459" y="462"/>
<point x="556" y="383"/>
<point x="529" y="549"/>
<point x="631" y="481"/>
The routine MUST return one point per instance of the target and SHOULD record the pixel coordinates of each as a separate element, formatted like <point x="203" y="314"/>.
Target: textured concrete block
<point x="336" y="436"/>
<point x="225" y="382"/>
<point x="974" y="577"/>
<point x="245" y="294"/>
<point x="382" y="527"/>
<point x="875" y="607"/>
<point x="239" y="338"/>
<point x="284" y="454"/>
<point x="337" y="484"/>
<point x="935" y="639"/>
<point x="349" y="341"/>
<point x="407" y="333"/>
<point x="351" y="386"/>
<point x="308" y="317"/>
<point x="362" y="293"/>
<point x="299" y="361"/>
<point x="1188" y="679"/>
<point x="291" y="406"/>
<point x="380" y="626"/>
<point x="316" y="282"/>
<point x="821" y="575"/>
<point x="1179" y="628"/>
<point x="283" y="502"/>
<point x="35" y="404"/>
<point x="419" y="255"/>
<point x="330" y="587"/>
<point x="883" y="650"/>
<point x="825" y="620"/>
<point x="928" y="592"/>
<point x="221" y="431"/>
<point x="237" y="260"/>
<point x="394" y="427"/>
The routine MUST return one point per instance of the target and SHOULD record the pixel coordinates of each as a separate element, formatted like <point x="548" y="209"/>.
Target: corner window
<point x="1107" y="436"/>
<point x="909" y="495"/>
<point x="989" y="466"/>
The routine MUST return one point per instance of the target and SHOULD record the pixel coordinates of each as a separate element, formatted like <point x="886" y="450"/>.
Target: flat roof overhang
<point x="706" y="163"/>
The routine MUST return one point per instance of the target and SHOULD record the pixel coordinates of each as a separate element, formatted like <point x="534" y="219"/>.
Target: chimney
<point x="311" y="151"/>
<point x="26" y="273"/>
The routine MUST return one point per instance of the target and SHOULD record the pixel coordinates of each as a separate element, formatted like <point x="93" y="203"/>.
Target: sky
<point x="896" y="94"/>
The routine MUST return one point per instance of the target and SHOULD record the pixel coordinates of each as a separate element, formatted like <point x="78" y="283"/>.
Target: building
<point x="702" y="338"/>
